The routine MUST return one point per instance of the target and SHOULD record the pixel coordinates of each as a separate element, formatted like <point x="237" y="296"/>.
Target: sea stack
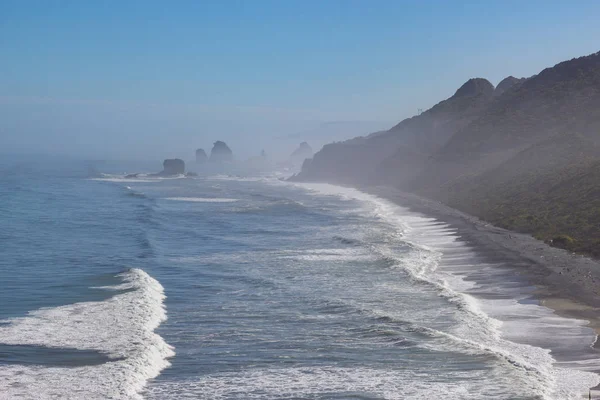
<point x="173" y="166"/>
<point x="221" y="153"/>
<point x="201" y="156"/>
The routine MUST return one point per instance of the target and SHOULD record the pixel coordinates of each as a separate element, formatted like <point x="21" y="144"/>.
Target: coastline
<point x="557" y="272"/>
<point x="565" y="282"/>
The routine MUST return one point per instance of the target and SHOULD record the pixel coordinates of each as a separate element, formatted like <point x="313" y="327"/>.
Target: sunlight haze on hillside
<point x="148" y="80"/>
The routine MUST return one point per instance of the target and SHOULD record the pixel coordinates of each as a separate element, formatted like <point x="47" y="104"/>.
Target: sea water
<point x="244" y="286"/>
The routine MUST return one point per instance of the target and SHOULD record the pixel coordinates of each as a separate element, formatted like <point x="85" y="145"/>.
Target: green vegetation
<point x="560" y="205"/>
<point x="524" y="156"/>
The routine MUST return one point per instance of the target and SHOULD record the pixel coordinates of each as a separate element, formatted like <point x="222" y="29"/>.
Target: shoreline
<point x="560" y="272"/>
<point x="565" y="282"/>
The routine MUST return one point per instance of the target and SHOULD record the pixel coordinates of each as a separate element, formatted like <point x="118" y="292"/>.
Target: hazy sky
<point x="149" y="79"/>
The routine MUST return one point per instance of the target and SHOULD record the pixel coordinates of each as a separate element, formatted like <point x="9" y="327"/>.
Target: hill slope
<point x="551" y="190"/>
<point x="358" y="160"/>
<point x="523" y="155"/>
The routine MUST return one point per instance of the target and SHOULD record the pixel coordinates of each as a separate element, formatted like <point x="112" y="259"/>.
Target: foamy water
<point x="139" y="178"/>
<point x="274" y="290"/>
<point x="121" y="327"/>
<point x="500" y="327"/>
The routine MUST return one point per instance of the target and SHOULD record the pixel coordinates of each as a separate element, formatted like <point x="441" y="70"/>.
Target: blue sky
<point x="149" y="79"/>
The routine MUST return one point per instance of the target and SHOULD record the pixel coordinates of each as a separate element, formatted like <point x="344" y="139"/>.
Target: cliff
<point x="360" y="160"/>
<point x="523" y="155"/>
<point x="561" y="99"/>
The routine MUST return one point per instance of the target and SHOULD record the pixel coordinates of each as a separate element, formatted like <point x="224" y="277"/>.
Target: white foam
<point x="121" y="327"/>
<point x="333" y="255"/>
<point x="319" y="382"/>
<point x="139" y="178"/>
<point x="476" y="331"/>
<point x="123" y="180"/>
<point x="236" y="178"/>
<point x="379" y="208"/>
<point x="202" y="199"/>
<point x="170" y="177"/>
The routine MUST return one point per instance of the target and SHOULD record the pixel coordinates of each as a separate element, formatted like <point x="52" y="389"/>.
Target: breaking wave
<point x="479" y="329"/>
<point x="121" y="327"/>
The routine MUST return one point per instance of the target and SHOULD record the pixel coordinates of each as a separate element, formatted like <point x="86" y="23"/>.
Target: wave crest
<point x="122" y="327"/>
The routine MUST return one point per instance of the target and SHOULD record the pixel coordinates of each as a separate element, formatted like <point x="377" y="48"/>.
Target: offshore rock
<point x="173" y="166"/>
<point x="201" y="156"/>
<point x="221" y="152"/>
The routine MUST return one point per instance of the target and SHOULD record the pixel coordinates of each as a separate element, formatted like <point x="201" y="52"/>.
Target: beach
<point x="558" y="272"/>
<point x="565" y="282"/>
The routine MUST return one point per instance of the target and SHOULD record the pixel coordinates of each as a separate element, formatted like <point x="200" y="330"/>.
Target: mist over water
<point x="179" y="218"/>
<point x="235" y="287"/>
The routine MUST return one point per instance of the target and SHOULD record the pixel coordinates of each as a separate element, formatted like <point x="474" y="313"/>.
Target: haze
<point x="148" y="80"/>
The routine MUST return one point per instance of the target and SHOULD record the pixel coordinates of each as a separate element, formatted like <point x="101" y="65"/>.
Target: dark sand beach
<point x="557" y="272"/>
<point x="565" y="282"/>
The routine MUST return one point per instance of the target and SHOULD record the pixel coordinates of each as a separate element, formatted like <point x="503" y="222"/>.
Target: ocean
<point x="243" y="286"/>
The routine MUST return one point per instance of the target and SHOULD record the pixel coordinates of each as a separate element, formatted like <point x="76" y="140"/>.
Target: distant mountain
<point x="303" y="152"/>
<point x="322" y="133"/>
<point x="335" y="130"/>
<point x="564" y="98"/>
<point x="523" y="155"/>
<point x="359" y="160"/>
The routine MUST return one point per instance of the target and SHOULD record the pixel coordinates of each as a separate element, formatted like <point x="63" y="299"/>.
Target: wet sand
<point x="558" y="273"/>
<point x="565" y="282"/>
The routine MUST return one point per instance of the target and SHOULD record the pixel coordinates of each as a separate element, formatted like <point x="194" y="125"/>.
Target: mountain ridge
<point x="486" y="148"/>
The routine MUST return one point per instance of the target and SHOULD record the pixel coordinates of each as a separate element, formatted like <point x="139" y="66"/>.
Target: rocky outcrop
<point x="221" y="152"/>
<point x="173" y="166"/>
<point x="303" y="152"/>
<point x="201" y="156"/>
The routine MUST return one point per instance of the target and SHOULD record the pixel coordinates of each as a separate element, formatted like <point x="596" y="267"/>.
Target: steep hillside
<point x="359" y="160"/>
<point x="551" y="190"/>
<point x="524" y="155"/>
<point x="508" y="83"/>
<point x="564" y="98"/>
